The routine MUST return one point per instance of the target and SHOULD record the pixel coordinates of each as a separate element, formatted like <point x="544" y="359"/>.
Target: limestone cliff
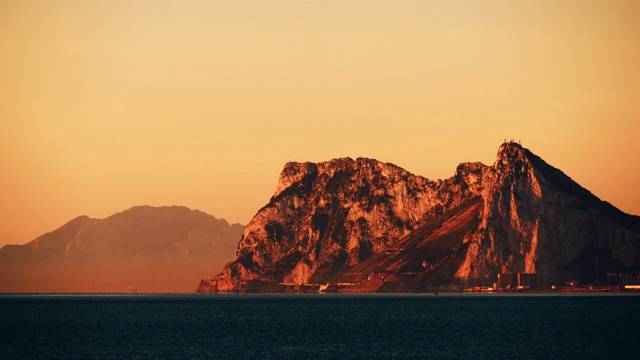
<point x="344" y="220"/>
<point x="535" y="219"/>
<point x="338" y="213"/>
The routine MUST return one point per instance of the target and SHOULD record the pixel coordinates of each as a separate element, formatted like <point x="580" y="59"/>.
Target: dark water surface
<point x="315" y="326"/>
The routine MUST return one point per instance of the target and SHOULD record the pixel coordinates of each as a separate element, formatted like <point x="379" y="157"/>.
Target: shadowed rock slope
<point x="148" y="249"/>
<point x="357" y="222"/>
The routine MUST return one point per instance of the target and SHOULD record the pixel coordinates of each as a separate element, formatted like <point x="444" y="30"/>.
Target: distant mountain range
<point x="364" y="225"/>
<point x="145" y="249"/>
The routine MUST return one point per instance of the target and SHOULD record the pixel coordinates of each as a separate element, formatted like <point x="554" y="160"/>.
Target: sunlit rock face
<point x="519" y="215"/>
<point x="340" y="212"/>
<point x="536" y="219"/>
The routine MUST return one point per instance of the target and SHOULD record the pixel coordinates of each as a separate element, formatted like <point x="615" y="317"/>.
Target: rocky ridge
<point x="343" y="220"/>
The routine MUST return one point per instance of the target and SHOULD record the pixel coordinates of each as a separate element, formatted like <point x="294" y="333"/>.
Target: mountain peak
<point x="511" y="144"/>
<point x="511" y="153"/>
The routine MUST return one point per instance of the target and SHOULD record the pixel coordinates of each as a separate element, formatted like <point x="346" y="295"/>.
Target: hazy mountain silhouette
<point x="148" y="249"/>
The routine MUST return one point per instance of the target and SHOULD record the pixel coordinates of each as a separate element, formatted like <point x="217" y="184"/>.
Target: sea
<point x="320" y="326"/>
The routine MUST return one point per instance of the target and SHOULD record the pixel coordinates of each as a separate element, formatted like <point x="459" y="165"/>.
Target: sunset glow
<point x="110" y="104"/>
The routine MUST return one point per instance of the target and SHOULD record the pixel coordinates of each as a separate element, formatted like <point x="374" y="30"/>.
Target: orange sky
<point x="110" y="104"/>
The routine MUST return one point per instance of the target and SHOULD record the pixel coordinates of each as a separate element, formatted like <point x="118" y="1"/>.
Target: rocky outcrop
<point x="343" y="220"/>
<point x="339" y="213"/>
<point x="148" y="249"/>
<point x="535" y="219"/>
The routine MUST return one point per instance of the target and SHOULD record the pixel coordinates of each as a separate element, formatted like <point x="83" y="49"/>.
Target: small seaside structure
<point x="521" y="281"/>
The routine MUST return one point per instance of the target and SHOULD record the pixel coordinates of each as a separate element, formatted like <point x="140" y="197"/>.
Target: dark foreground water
<point x="305" y="326"/>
